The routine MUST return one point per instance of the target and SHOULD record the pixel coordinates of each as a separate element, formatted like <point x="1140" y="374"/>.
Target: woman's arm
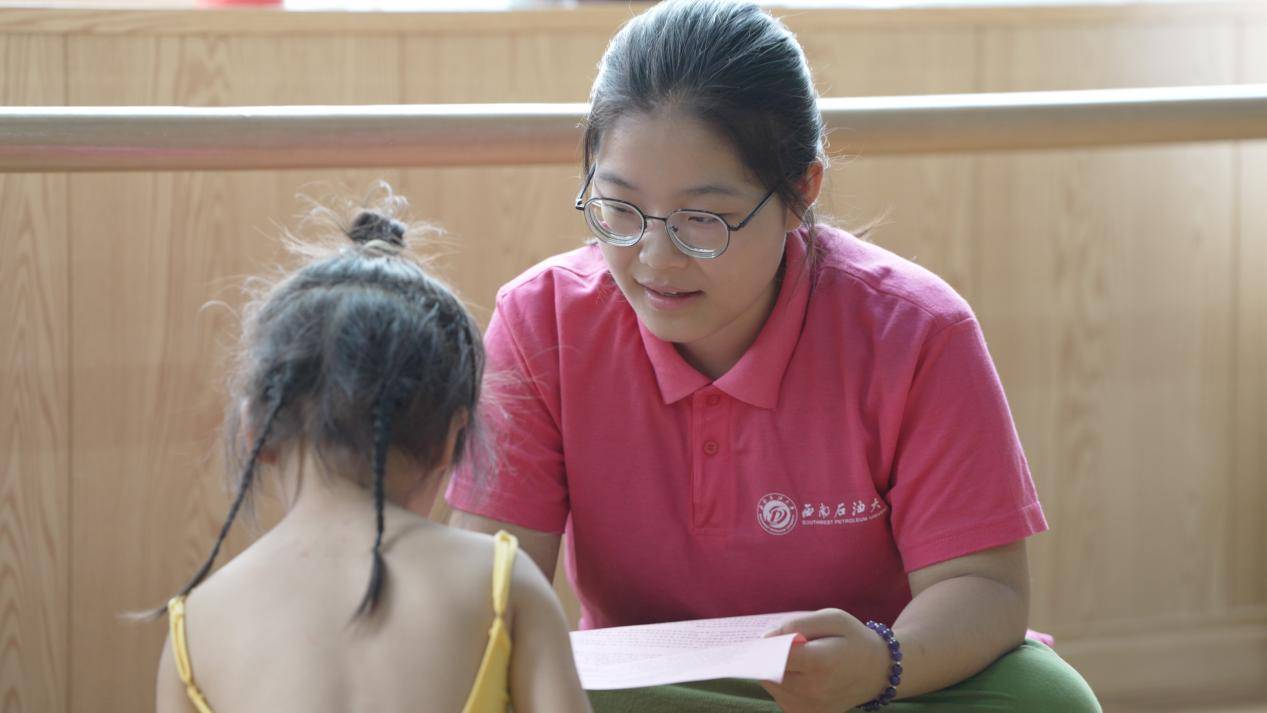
<point x="543" y="547"/>
<point x="542" y="671"/>
<point x="965" y="614"/>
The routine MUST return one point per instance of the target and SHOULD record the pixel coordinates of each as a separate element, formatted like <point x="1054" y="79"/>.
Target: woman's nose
<point x="656" y="249"/>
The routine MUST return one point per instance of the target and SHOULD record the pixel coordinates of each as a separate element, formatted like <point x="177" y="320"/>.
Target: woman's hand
<point x="843" y="664"/>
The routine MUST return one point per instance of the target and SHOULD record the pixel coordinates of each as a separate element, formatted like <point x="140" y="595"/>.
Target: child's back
<point x="289" y="626"/>
<point x="271" y="630"/>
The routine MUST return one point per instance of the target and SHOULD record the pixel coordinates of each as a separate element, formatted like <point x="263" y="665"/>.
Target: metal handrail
<point x="54" y="139"/>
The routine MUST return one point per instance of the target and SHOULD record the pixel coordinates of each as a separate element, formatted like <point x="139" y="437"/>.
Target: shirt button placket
<point x="713" y="488"/>
<point x="714" y="423"/>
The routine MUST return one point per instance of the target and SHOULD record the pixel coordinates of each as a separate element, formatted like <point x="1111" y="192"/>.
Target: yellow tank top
<point x="491" y="692"/>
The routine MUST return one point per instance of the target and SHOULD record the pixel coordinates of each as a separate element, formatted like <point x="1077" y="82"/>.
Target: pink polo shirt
<point x="862" y="436"/>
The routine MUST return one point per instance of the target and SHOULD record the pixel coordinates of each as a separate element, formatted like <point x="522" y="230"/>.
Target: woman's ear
<point x="808" y="187"/>
<point x="457" y="425"/>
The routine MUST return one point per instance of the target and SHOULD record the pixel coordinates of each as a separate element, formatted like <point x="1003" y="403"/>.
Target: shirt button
<point x="712" y="400"/>
<point x="711" y="448"/>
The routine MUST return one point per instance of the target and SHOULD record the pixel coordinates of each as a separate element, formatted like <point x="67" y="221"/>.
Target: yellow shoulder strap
<point x="180" y="649"/>
<point x="505" y="546"/>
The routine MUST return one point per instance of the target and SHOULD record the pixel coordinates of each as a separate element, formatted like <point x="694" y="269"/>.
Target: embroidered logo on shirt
<point x="776" y="513"/>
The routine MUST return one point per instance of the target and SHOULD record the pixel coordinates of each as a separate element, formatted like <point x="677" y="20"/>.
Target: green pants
<point x="1031" y="678"/>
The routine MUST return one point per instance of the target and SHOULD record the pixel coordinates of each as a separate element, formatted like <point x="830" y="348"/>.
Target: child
<point x="358" y="380"/>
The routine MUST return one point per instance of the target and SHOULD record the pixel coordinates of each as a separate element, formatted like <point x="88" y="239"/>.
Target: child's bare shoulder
<point x="470" y="561"/>
<point x="450" y="558"/>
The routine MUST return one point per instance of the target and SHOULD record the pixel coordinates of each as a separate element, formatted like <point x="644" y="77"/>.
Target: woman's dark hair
<point x="359" y="352"/>
<point x="729" y="64"/>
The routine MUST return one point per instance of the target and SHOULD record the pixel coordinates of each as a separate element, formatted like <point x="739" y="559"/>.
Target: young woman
<point x="728" y="408"/>
<point x="358" y="382"/>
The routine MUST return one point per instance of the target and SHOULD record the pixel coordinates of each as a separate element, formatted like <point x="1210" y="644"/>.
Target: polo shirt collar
<point x="756" y="378"/>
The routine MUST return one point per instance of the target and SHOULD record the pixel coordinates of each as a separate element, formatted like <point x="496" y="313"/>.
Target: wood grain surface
<point x="1121" y="293"/>
<point x="35" y="405"/>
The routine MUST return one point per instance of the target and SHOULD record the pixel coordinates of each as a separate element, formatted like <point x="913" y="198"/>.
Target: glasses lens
<point x="701" y="232"/>
<point x="613" y="221"/>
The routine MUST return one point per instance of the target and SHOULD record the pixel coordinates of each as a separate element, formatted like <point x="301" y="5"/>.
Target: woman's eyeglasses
<point x="697" y="233"/>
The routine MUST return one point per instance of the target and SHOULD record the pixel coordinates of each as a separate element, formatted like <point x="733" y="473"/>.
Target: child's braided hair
<point x="360" y="352"/>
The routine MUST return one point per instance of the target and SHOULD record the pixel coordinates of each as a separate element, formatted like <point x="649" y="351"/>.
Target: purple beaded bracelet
<point x="895" y="672"/>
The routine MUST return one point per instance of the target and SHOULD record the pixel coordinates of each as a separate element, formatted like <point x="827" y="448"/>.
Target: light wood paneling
<point x="923" y="205"/>
<point x="1107" y="286"/>
<point x="1168" y="669"/>
<point x="271" y="22"/>
<point x="499" y="221"/>
<point x="1247" y="504"/>
<point x="147" y="367"/>
<point x="1120" y="290"/>
<point x="35" y="405"/>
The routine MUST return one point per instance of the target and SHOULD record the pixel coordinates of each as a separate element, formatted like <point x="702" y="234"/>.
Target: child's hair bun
<point x="371" y="229"/>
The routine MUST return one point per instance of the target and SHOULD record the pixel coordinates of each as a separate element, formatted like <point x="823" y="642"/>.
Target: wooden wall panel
<point x="35" y="405"/>
<point x="922" y="206"/>
<point x="148" y="361"/>
<point x="1248" y="502"/>
<point x="1107" y="284"/>
<point x="499" y="221"/>
<point x="1120" y="290"/>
